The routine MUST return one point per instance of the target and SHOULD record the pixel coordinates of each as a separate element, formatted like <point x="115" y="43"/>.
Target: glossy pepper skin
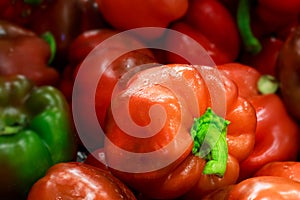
<point x="183" y="174"/>
<point x="86" y="43"/>
<point x="277" y="135"/>
<point x="65" y="20"/>
<point x="23" y="52"/>
<point x="206" y="22"/>
<point x="35" y="133"/>
<point x="287" y="169"/>
<point x="262" y="187"/>
<point x="265" y="60"/>
<point x="142" y="13"/>
<point x="287" y="72"/>
<point x="74" y="180"/>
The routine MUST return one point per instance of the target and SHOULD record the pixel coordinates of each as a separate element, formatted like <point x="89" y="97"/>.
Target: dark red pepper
<point x="65" y="20"/>
<point x="288" y="72"/>
<point x="17" y="11"/>
<point x="272" y="16"/>
<point x="265" y="60"/>
<point x="24" y="52"/>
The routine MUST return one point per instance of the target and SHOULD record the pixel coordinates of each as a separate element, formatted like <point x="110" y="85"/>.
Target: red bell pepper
<point x="76" y="180"/>
<point x="262" y="187"/>
<point x="287" y="169"/>
<point x="65" y="20"/>
<point x="277" y="135"/>
<point x="86" y="42"/>
<point x="24" y="52"/>
<point x="187" y="172"/>
<point x="287" y="72"/>
<point x="124" y="15"/>
<point x="80" y="49"/>
<point x="211" y="24"/>
<point x="82" y="45"/>
<point x="207" y="184"/>
<point x="273" y="16"/>
<point x="265" y="60"/>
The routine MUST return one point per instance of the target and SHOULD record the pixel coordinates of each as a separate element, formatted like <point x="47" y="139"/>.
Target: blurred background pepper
<point x="65" y="20"/>
<point x="288" y="73"/>
<point x="24" y="52"/>
<point x="125" y="15"/>
<point x="265" y="60"/>
<point x="212" y="25"/>
<point x="264" y="25"/>
<point x="274" y="16"/>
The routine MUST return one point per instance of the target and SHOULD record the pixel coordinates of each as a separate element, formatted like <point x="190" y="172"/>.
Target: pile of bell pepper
<point x="145" y="122"/>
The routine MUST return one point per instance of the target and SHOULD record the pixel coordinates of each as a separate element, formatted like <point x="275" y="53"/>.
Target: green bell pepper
<point x="35" y="133"/>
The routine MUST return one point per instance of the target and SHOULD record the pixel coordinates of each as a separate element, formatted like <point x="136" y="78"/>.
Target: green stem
<point x="251" y="43"/>
<point x="209" y="134"/>
<point x="10" y="130"/>
<point x="12" y="122"/>
<point x="267" y="84"/>
<point x="49" y="38"/>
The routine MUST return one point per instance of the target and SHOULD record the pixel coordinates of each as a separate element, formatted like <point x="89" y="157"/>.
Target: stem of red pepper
<point x="251" y="43"/>
<point x="49" y="38"/>
<point x="267" y="84"/>
<point x="209" y="134"/>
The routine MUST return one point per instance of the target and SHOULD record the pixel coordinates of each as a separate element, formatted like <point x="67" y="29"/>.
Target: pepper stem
<point x="209" y="135"/>
<point x="10" y="130"/>
<point x="267" y="84"/>
<point x="12" y="122"/>
<point x="251" y="43"/>
<point x="50" y="39"/>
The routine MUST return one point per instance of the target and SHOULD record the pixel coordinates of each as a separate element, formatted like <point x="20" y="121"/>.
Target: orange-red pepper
<point x="74" y="180"/>
<point x="287" y="169"/>
<point x="184" y="174"/>
<point x="277" y="133"/>
<point x="261" y="187"/>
